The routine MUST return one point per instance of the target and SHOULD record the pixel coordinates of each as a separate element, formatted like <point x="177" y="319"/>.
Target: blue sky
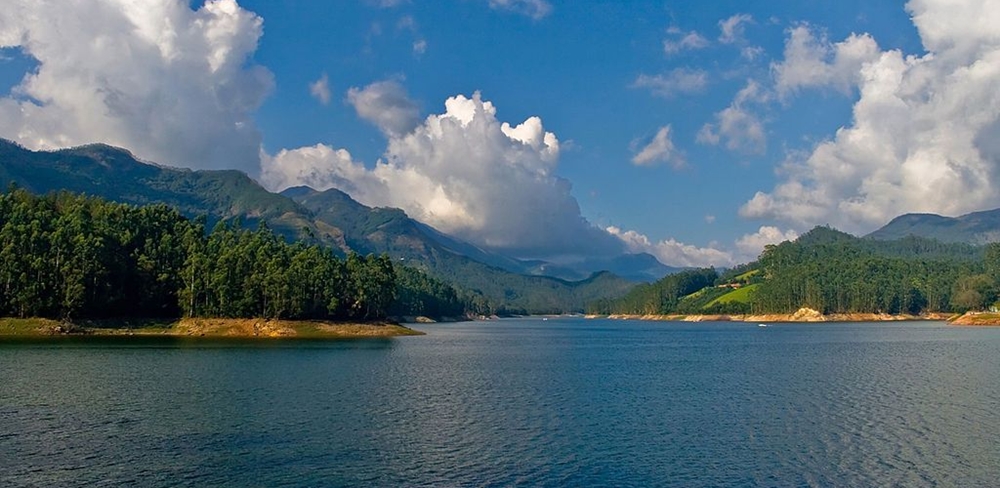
<point x="576" y="69"/>
<point x="697" y="131"/>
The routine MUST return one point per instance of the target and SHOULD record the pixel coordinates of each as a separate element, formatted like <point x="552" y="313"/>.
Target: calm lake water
<point x="563" y="402"/>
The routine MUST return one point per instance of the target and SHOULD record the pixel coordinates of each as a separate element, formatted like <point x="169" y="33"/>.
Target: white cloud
<point x="385" y="104"/>
<point x="674" y="253"/>
<point x="406" y="23"/>
<point x="170" y="83"/>
<point x="386" y="3"/>
<point x="320" y="89"/>
<point x="671" y="252"/>
<point x="659" y="150"/>
<point x="731" y="29"/>
<point x="689" y="42"/>
<point x="815" y="62"/>
<point x="741" y="128"/>
<point x="467" y="174"/>
<point x="322" y="167"/>
<point x="419" y="47"/>
<point x="750" y="246"/>
<point x="751" y="53"/>
<point x="677" y="81"/>
<point x="536" y="9"/>
<point x="923" y="135"/>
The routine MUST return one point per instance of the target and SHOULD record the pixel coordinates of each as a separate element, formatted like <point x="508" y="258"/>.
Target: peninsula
<point x="208" y="328"/>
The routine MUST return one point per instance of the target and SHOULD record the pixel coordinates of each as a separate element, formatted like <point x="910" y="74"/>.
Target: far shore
<point x="803" y="315"/>
<point x="202" y="327"/>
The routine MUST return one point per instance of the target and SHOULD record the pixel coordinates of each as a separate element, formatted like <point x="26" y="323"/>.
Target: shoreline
<point x="203" y="327"/>
<point x="803" y="315"/>
<point x="978" y="319"/>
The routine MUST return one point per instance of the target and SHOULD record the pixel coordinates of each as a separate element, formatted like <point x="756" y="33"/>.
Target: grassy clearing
<point x="694" y="295"/>
<point x="739" y="295"/>
<point x="30" y="326"/>
<point x="746" y="276"/>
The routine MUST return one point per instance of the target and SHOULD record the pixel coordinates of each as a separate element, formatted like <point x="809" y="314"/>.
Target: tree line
<point x="831" y="272"/>
<point x="64" y="255"/>
<point x="664" y="297"/>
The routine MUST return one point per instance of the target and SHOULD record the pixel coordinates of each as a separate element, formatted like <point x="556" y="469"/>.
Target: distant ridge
<point x="114" y="173"/>
<point x="974" y="228"/>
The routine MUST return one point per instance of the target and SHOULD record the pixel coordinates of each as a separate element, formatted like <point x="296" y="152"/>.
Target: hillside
<point x="974" y="228"/>
<point x="831" y="272"/>
<point x="330" y="217"/>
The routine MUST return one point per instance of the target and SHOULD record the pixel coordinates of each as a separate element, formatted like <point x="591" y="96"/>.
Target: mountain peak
<point x="294" y="192"/>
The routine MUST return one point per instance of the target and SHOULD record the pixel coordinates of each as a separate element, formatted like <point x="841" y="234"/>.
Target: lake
<point x="560" y="402"/>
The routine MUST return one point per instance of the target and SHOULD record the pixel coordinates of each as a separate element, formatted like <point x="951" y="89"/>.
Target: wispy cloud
<point x="673" y="83"/>
<point x="659" y="150"/>
<point x="690" y="41"/>
<point x="737" y="125"/>
<point x="731" y="30"/>
<point x="536" y="9"/>
<point x="320" y="89"/>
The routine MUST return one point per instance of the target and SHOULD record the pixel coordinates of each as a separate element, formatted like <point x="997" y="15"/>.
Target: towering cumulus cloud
<point x="924" y="131"/>
<point x="462" y="171"/>
<point x="170" y="83"/>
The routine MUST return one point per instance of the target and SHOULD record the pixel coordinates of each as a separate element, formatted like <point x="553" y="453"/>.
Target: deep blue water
<point x="565" y="402"/>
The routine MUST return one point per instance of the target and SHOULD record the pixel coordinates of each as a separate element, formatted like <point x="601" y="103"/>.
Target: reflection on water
<point x="560" y="403"/>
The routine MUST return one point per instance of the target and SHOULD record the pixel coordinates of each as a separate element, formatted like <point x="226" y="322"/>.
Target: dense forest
<point x="70" y="256"/>
<point x="831" y="272"/>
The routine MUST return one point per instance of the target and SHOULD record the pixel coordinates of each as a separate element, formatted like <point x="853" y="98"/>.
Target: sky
<point x="696" y="131"/>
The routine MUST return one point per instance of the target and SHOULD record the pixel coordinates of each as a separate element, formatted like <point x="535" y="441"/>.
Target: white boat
<point x="761" y="325"/>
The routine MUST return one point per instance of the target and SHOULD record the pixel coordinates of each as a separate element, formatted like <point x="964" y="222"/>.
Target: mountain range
<point x="331" y="217"/>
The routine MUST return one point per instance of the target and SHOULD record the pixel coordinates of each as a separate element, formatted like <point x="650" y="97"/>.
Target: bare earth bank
<point x="978" y="319"/>
<point x="802" y="315"/>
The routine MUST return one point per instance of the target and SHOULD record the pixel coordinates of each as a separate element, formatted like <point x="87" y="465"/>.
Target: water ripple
<point x="514" y="403"/>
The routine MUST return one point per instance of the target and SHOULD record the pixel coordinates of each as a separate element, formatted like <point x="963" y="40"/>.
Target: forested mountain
<point x="974" y="228"/>
<point x="69" y="256"/>
<point x="832" y="272"/>
<point x="115" y="174"/>
<point x="389" y="230"/>
<point x="331" y="218"/>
